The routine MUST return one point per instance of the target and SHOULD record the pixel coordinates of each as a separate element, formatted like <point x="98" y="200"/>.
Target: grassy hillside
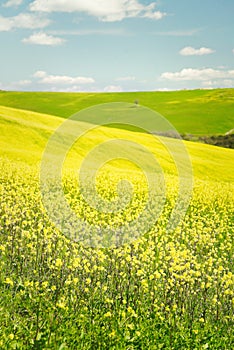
<point x="171" y="286"/>
<point x="24" y="136"/>
<point x="197" y="112"/>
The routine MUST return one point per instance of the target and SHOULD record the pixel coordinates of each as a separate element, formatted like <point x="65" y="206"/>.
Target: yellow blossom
<point x="9" y="281"/>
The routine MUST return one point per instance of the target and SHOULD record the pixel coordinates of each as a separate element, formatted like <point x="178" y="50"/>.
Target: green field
<point x="197" y="112"/>
<point x="166" y="289"/>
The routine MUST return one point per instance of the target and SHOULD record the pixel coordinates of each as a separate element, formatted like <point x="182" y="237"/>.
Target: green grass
<point x="198" y="112"/>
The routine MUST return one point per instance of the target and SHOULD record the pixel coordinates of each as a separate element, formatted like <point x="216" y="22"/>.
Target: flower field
<point x="165" y="289"/>
<point x="162" y="291"/>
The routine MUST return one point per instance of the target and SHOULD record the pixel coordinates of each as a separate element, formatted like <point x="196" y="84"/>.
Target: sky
<point x="116" y="45"/>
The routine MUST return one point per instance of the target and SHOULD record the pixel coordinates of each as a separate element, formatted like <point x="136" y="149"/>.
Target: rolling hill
<point x="196" y="112"/>
<point x="24" y="136"/>
<point x="79" y="258"/>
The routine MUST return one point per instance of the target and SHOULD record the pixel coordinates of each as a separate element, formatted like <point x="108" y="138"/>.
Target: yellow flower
<point x="9" y="281"/>
<point x="75" y="280"/>
<point x="130" y="326"/>
<point x="109" y="301"/>
<point x="76" y="262"/>
<point x="28" y="284"/>
<point x="157" y="274"/>
<point x="112" y="334"/>
<point x="61" y="304"/>
<point x="58" y="262"/>
<point x="45" y="284"/>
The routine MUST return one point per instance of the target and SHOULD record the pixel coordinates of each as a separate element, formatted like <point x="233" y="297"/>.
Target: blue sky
<point x="116" y="45"/>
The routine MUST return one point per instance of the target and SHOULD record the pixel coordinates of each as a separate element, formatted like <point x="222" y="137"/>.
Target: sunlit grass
<point x="198" y="112"/>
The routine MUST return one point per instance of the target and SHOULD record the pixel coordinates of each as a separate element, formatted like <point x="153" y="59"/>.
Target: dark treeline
<point x="226" y="141"/>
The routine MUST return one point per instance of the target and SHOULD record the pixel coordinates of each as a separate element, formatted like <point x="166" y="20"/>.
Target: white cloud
<point x="154" y="15"/>
<point x="227" y="83"/>
<point x="113" y="88"/>
<point x="23" y="82"/>
<point x="13" y="3"/>
<point x="125" y="79"/>
<point x="2" y="86"/>
<point x="23" y="20"/>
<point x="191" y="51"/>
<point x="16" y="85"/>
<point x="66" y="80"/>
<point x="114" y="32"/>
<point x="163" y="89"/>
<point x="43" y="39"/>
<point x="73" y="88"/>
<point x="202" y="74"/>
<point x="188" y="32"/>
<point x="5" y="24"/>
<point x="40" y="74"/>
<point x="61" y="79"/>
<point x="104" y="10"/>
